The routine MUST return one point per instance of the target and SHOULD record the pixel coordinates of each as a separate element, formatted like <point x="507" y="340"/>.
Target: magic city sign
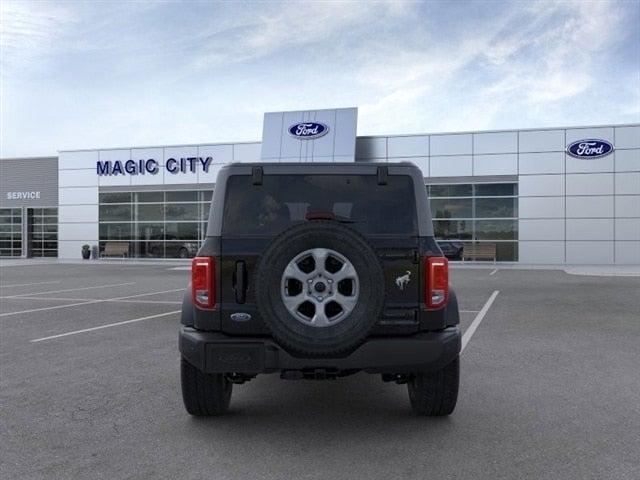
<point x="590" y="148"/>
<point x="151" y="166"/>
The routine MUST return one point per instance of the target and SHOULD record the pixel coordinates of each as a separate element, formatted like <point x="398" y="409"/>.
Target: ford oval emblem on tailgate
<point x="240" y="317"/>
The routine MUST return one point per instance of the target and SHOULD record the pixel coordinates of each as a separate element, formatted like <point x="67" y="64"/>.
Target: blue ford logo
<point x="308" y="130"/>
<point x="590" y="148"/>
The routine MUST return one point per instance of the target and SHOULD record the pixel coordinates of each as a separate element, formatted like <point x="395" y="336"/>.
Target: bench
<point x="484" y="251"/>
<point x="116" y="249"/>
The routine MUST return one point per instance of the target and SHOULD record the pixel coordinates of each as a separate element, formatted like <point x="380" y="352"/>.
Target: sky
<point x="112" y="74"/>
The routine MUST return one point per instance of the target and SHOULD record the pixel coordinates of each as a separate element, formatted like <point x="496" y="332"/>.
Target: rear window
<point x="283" y="200"/>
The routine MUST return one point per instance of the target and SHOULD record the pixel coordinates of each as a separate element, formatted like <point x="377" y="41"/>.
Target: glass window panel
<point x="265" y="210"/>
<point x="149" y="213"/>
<point x="50" y="211"/>
<point x="102" y="244"/>
<point x="110" y="213"/>
<point x="507" y="251"/>
<point x="496" y="207"/>
<point x="149" y="197"/>
<point x="185" y="196"/>
<point x="115" y="231"/>
<point x="453" y="229"/>
<point x="182" y="211"/>
<point x="180" y="249"/>
<point x="205" y="195"/>
<point x="5" y="243"/>
<point x="6" y="220"/>
<point x="115" y="197"/>
<point x="451" y="208"/>
<point x="496" y="229"/>
<point x="204" y="211"/>
<point x="461" y="190"/>
<point x="6" y="228"/>
<point x="181" y="231"/>
<point x="495" y="189"/>
<point x="50" y="228"/>
<point x="150" y="231"/>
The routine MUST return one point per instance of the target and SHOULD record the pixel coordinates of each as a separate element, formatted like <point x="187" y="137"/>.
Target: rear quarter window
<point x="284" y="200"/>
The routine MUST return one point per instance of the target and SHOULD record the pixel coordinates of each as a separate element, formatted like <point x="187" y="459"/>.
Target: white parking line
<point x="63" y="299"/>
<point x="88" y="302"/>
<point x="469" y="311"/>
<point x="74" y="289"/>
<point x="29" y="284"/>
<point x="104" y="326"/>
<point x="476" y="321"/>
<point x="494" y="271"/>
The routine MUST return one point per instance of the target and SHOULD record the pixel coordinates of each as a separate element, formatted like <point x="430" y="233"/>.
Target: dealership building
<point x="567" y="195"/>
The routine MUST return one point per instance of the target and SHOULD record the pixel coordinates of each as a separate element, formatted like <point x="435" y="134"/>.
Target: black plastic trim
<point x="219" y="353"/>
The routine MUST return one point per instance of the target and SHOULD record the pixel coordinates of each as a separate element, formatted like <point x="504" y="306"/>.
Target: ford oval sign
<point x="591" y="148"/>
<point x="308" y="130"/>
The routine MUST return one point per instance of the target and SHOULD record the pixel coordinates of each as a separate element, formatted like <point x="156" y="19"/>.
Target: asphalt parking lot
<point x="89" y="387"/>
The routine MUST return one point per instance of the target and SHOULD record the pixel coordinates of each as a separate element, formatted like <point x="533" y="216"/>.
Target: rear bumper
<point x="214" y="352"/>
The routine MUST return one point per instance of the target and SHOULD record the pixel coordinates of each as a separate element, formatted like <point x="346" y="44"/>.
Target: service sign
<point x="308" y="130"/>
<point x="28" y="195"/>
<point x="590" y="149"/>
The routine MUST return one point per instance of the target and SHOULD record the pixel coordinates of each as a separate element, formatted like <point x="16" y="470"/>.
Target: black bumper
<point x="214" y="352"/>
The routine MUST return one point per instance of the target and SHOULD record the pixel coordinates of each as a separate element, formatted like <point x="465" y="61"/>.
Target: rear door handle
<point x="241" y="282"/>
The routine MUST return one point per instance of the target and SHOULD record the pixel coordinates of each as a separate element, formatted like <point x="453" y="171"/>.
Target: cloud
<point x="29" y="30"/>
<point x="79" y="74"/>
<point x="527" y="58"/>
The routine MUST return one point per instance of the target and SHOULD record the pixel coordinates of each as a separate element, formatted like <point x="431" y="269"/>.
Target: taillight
<point x="203" y="290"/>
<point x="436" y="282"/>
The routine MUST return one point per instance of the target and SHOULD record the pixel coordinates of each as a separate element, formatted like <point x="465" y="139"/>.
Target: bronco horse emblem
<point x="402" y="280"/>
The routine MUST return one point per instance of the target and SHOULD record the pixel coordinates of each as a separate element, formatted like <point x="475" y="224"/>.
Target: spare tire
<point x="320" y="288"/>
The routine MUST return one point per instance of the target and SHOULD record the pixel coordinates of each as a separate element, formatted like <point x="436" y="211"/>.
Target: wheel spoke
<point x="320" y="257"/>
<point x="347" y="271"/>
<point x="293" y="271"/>
<point x="347" y="303"/>
<point x="320" y="318"/>
<point x="293" y="302"/>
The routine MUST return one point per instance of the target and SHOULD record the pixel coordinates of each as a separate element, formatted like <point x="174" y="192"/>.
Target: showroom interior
<point x="520" y="192"/>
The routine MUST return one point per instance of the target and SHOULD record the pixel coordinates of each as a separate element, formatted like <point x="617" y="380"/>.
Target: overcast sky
<point x="102" y="74"/>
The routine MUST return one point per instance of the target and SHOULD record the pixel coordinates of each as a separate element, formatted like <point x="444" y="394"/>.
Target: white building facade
<point x="539" y="195"/>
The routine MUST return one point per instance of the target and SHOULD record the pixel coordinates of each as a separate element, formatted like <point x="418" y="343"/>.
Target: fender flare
<point x="187" y="314"/>
<point x="452" y="312"/>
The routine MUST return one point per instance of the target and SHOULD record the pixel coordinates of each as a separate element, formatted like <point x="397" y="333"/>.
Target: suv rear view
<point x="318" y="271"/>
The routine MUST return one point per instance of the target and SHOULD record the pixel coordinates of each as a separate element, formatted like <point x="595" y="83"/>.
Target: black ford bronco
<point x="318" y="271"/>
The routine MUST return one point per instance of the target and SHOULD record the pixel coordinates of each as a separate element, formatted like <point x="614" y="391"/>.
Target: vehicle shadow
<point x="332" y="406"/>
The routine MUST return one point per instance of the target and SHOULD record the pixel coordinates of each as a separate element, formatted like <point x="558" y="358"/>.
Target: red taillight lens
<point x="437" y="282"/>
<point x="202" y="282"/>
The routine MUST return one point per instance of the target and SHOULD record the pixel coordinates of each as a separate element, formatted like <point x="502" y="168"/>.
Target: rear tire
<point x="434" y="394"/>
<point x="204" y="394"/>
